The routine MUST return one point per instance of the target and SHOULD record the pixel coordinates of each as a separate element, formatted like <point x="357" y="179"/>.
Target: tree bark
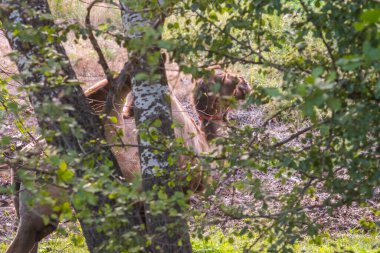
<point x="152" y="104"/>
<point x="44" y="90"/>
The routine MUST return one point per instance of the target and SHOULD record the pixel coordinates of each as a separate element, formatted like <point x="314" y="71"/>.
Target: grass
<point x="61" y="245"/>
<point x="349" y="242"/>
<point x="357" y="243"/>
<point x="70" y="10"/>
<point x="218" y="242"/>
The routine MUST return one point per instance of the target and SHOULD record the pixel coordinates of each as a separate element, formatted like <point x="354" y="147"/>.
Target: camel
<point x="212" y="99"/>
<point x="32" y="229"/>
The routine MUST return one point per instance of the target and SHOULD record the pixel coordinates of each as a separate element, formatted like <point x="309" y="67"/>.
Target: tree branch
<point x="102" y="60"/>
<point x="310" y="18"/>
<point x="292" y="137"/>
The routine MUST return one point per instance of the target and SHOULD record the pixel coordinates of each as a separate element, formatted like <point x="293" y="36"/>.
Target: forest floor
<point x="84" y="62"/>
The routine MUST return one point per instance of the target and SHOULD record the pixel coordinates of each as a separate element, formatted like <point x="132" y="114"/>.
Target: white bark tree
<point x="45" y="91"/>
<point x="152" y="104"/>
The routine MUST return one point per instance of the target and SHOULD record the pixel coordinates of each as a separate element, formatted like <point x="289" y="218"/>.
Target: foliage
<point x="330" y="74"/>
<point x="327" y="55"/>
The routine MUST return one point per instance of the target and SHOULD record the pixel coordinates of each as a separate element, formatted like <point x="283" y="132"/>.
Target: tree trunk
<point x="152" y="104"/>
<point x="44" y="89"/>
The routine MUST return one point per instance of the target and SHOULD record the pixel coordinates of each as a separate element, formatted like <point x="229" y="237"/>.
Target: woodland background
<point x="316" y="69"/>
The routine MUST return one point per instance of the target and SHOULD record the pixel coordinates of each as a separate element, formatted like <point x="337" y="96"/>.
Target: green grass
<point x="217" y="242"/>
<point x="60" y="245"/>
<point x="70" y="10"/>
<point x="350" y="242"/>
<point x="357" y="243"/>
<point x="68" y="243"/>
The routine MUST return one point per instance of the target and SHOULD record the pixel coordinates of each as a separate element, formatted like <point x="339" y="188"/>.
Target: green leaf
<point x="213" y="16"/>
<point x="141" y="77"/>
<point x="317" y="71"/>
<point x="103" y="27"/>
<point x="359" y="26"/>
<point x="272" y="92"/>
<point x="377" y="90"/>
<point x="216" y="87"/>
<point x="5" y="140"/>
<point x="63" y="173"/>
<point x="165" y="44"/>
<point x="113" y="119"/>
<point x="162" y="195"/>
<point x="13" y="107"/>
<point x="310" y="79"/>
<point x="63" y="165"/>
<point x="55" y="160"/>
<point x="334" y="103"/>
<point x="157" y="123"/>
<point x="113" y="195"/>
<point x="45" y="219"/>
<point x="371" y="52"/>
<point x="350" y="62"/>
<point x="371" y="16"/>
<point x="170" y="160"/>
<point x="301" y="90"/>
<point x="324" y="129"/>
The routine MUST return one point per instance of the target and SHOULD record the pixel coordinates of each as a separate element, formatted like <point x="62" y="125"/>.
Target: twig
<point x="293" y="136"/>
<point x="244" y="45"/>
<point x="235" y="59"/>
<point x="102" y="60"/>
<point x="19" y="120"/>
<point x="4" y="167"/>
<point x="318" y="28"/>
<point x="117" y="7"/>
<point x="266" y="122"/>
<point x="34" y="169"/>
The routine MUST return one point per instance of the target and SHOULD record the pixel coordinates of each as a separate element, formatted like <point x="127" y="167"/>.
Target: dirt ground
<point x="88" y="71"/>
